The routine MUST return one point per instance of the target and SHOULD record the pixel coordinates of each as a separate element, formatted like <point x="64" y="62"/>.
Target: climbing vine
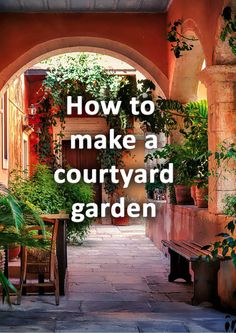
<point x="44" y="146"/>
<point x="229" y="30"/>
<point x="74" y="76"/>
<point x="68" y="75"/>
<point x="179" y="42"/>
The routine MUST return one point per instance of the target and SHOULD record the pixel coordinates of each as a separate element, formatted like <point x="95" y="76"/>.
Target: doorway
<point x="82" y="159"/>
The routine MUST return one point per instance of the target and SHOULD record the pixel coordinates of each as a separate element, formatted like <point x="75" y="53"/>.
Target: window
<point x="5" y="131"/>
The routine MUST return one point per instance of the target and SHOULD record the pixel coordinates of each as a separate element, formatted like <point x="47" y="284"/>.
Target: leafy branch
<point x="229" y="30"/>
<point x="179" y="42"/>
<point x="226" y="247"/>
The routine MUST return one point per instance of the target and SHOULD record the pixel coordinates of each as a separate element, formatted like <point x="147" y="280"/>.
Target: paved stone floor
<point x="117" y="283"/>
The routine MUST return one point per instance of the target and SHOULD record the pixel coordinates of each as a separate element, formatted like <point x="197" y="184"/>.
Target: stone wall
<point x="184" y="222"/>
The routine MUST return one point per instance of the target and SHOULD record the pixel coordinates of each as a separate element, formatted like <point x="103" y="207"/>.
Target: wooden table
<point x="61" y="246"/>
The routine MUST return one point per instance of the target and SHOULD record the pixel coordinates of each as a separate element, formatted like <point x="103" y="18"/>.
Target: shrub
<point x="43" y="194"/>
<point x="72" y="193"/>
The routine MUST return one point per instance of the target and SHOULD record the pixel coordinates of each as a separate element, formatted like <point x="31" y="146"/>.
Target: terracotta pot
<point x="193" y="190"/>
<point x="193" y="194"/>
<point x="183" y="195"/>
<point x="13" y="253"/>
<point x="121" y="220"/>
<point x="201" y="193"/>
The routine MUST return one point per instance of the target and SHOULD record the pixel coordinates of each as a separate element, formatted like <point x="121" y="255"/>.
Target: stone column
<point x="220" y="81"/>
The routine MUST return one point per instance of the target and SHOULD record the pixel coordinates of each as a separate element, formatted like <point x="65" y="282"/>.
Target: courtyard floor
<point x="117" y="283"/>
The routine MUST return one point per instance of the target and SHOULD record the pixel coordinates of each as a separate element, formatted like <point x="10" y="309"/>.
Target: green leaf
<point x="222" y="234"/>
<point x="6" y="285"/>
<point x="206" y="247"/>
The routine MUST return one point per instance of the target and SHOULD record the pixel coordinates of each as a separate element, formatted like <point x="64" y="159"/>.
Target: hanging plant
<point x="167" y="111"/>
<point x="229" y="30"/>
<point x="46" y="120"/>
<point x="81" y="76"/>
<point x="179" y="42"/>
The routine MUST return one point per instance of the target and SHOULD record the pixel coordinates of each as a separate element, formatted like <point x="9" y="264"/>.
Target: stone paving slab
<point x="117" y="283"/>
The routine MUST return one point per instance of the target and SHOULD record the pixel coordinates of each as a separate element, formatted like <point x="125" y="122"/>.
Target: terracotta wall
<point x="16" y="119"/>
<point x="3" y="172"/>
<point x="27" y="36"/>
<point x="184" y="222"/>
<point x="202" y="18"/>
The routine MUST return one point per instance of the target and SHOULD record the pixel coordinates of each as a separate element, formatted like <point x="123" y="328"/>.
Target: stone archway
<point x="185" y="78"/>
<point x="89" y="44"/>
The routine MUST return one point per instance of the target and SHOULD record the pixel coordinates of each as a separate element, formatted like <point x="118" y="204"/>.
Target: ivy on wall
<point x="81" y="76"/>
<point x="179" y="42"/>
<point x="228" y="32"/>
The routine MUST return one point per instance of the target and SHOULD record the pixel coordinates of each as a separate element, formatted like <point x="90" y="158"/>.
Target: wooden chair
<point x="40" y="262"/>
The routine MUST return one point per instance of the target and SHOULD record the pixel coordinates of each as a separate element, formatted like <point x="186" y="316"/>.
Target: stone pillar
<point x="220" y="81"/>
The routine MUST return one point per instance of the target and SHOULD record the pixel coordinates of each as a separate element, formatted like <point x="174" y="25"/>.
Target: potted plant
<point x="182" y="161"/>
<point x="183" y="164"/>
<point x="15" y="216"/>
<point x="201" y="194"/>
<point x="44" y="195"/>
<point x="153" y="188"/>
<point x="13" y="251"/>
<point x="199" y="185"/>
<point x="122" y="221"/>
<point x="182" y="194"/>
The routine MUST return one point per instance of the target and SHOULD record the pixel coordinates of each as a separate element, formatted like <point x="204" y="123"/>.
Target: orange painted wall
<point x="144" y="33"/>
<point x="16" y="120"/>
<point x="203" y="16"/>
<point x="16" y="111"/>
<point x="3" y="172"/>
<point x="33" y="96"/>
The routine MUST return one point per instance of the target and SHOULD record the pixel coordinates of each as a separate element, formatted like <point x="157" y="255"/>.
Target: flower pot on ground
<point x="201" y="196"/>
<point x="13" y="252"/>
<point x="119" y="221"/>
<point x="125" y="219"/>
<point x="183" y="195"/>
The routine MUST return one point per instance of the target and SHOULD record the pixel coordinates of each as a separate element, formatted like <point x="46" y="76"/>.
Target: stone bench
<point x="205" y="269"/>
